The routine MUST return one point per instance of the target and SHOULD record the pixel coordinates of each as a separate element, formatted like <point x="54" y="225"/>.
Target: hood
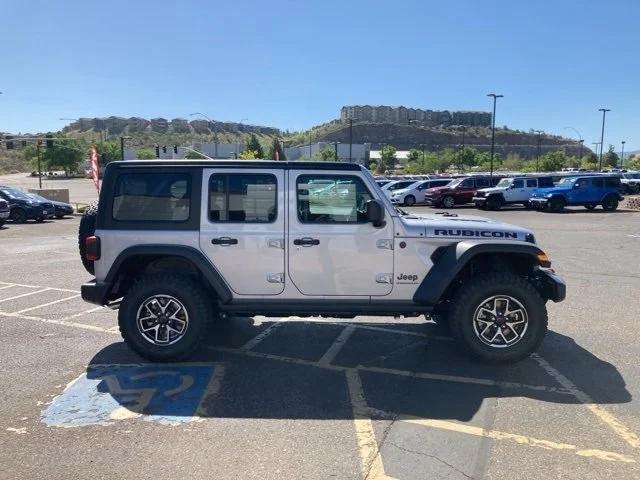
<point x="437" y="189"/>
<point x="492" y="190"/>
<point x="541" y="192"/>
<point x="463" y="227"/>
<point x="400" y="191"/>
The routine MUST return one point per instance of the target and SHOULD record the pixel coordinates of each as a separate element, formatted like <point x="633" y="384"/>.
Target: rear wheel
<point x="18" y="215"/>
<point x="498" y="317"/>
<point x="163" y="317"/>
<point x="557" y="204"/>
<point x="448" y="201"/>
<point x="610" y="203"/>
<point x="410" y="200"/>
<point x="527" y="205"/>
<point x="86" y="229"/>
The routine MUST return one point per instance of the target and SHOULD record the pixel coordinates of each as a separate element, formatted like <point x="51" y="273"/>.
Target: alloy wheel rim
<point x="162" y="320"/>
<point x="500" y="321"/>
<point x="448" y="202"/>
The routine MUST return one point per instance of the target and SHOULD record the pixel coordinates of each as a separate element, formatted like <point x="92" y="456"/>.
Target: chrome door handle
<point x="224" y="241"/>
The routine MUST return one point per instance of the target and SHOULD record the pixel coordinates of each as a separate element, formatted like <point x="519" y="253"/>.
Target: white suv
<point x="510" y="191"/>
<point x="177" y="244"/>
<point x="414" y="193"/>
<point x="630" y="182"/>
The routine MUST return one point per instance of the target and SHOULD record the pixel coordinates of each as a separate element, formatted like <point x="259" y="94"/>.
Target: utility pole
<point x="604" y="113"/>
<point x="350" y="139"/>
<point x="38" y="143"/>
<point x="539" y="132"/>
<point x="335" y="146"/>
<point x="622" y="155"/>
<point x="580" y="154"/>
<point x="493" y="130"/>
<point x="122" y="139"/>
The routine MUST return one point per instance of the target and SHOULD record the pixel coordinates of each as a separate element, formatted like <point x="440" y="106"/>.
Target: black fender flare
<point x="450" y="260"/>
<point x="196" y="257"/>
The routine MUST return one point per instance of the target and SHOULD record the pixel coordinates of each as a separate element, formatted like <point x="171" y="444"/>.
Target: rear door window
<point x="532" y="183"/>
<point x="242" y="198"/>
<point x="612" y="182"/>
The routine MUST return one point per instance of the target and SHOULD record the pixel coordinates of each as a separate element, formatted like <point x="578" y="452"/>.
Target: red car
<point x="459" y="191"/>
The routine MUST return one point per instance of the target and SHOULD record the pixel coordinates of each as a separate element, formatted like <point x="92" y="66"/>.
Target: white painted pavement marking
<point x="260" y="337"/>
<point x="56" y="322"/>
<point x="47" y="304"/>
<point x="39" y="286"/>
<point x="337" y="345"/>
<point x="25" y="294"/>
<point x="607" y="418"/>
<point x="84" y="312"/>
<point x="6" y="286"/>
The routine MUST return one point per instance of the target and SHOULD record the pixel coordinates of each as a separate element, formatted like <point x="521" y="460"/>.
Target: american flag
<point x="95" y="167"/>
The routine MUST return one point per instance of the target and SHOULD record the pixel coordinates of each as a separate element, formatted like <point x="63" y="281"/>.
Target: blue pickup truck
<point x="588" y="191"/>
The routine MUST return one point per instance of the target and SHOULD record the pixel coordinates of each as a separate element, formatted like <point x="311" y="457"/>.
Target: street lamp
<point x="350" y="139"/>
<point x="604" y="113"/>
<point x="493" y="130"/>
<point x="335" y="146"/>
<point x="539" y="132"/>
<point x="122" y="139"/>
<point x="622" y="155"/>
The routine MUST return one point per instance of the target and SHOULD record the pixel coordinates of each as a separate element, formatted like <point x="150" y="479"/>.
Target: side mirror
<point x="375" y="212"/>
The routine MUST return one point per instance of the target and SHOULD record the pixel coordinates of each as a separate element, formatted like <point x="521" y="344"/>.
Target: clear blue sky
<point x="292" y="64"/>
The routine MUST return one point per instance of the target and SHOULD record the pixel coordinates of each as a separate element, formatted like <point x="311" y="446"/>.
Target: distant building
<point x="404" y="115"/>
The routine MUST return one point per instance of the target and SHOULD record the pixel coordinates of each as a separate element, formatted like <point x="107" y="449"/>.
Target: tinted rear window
<point x="159" y="197"/>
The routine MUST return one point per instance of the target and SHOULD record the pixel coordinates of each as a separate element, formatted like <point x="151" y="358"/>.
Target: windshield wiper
<point x="402" y="212"/>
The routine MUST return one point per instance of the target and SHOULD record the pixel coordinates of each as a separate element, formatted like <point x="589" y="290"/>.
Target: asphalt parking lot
<point x="275" y="398"/>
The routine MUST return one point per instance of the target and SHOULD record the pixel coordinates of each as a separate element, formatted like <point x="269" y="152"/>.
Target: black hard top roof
<point x="272" y="164"/>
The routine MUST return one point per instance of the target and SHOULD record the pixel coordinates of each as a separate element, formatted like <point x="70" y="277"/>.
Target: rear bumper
<point x="552" y="285"/>
<point x="95" y="292"/>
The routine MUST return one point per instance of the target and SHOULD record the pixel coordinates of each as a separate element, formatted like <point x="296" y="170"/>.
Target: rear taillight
<point x="92" y="245"/>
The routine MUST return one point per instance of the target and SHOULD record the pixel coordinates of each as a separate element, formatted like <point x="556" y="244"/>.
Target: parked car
<point x="509" y="191"/>
<point x="630" y="182"/>
<point x="389" y="188"/>
<point x="23" y="207"/>
<point x="588" y="191"/>
<point x="60" y="208"/>
<point x="4" y="211"/>
<point x="459" y="191"/>
<point x="414" y="193"/>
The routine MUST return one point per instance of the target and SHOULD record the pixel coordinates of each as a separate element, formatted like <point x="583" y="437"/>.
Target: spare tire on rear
<point x="86" y="229"/>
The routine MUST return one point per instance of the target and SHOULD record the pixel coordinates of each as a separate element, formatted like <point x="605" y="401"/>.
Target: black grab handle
<point x="306" y="241"/>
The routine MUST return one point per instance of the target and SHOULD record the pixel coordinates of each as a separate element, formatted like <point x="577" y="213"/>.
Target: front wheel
<point x="448" y="201"/>
<point x="498" y="318"/>
<point x="410" y="200"/>
<point x="494" y="203"/>
<point x="556" y="204"/>
<point x="18" y="215"/>
<point x="163" y="317"/>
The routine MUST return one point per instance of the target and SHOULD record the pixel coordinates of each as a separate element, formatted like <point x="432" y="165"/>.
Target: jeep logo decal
<point x="407" y="278"/>
<point x="475" y="233"/>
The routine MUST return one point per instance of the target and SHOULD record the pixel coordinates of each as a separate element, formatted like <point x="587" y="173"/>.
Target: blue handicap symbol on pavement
<point x="169" y="394"/>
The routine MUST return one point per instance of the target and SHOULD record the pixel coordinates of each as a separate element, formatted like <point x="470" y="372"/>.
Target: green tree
<point x="65" y="155"/>
<point x="145" y="154"/>
<point x="387" y="158"/>
<point x="327" y="154"/>
<point x="465" y="157"/>
<point x="611" y="158"/>
<point x="589" y="162"/>
<point x="248" y="155"/>
<point x="109" y="152"/>
<point x="254" y="145"/>
<point x="414" y="155"/>
<point x="553" y="161"/>
<point x="633" y="163"/>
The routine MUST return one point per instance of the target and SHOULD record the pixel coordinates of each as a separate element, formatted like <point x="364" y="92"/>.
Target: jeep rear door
<point x="332" y="249"/>
<point x="242" y="228"/>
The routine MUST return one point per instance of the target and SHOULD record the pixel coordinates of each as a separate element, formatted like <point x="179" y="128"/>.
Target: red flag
<point x="95" y="167"/>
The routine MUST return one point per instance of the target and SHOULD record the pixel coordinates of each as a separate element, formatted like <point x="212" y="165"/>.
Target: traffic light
<point x="164" y="149"/>
<point x="8" y="142"/>
<point x="49" y="138"/>
<point x="175" y="149"/>
<point x="157" y="151"/>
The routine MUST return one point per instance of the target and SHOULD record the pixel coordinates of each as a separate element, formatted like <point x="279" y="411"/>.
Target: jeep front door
<point x="242" y="228"/>
<point x="333" y="250"/>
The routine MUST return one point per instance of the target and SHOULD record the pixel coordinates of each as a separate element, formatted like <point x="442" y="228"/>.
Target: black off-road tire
<point x="197" y="304"/>
<point x="474" y="292"/>
<point x="410" y="200"/>
<point x="86" y="229"/>
<point x="494" y="202"/>
<point x="556" y="204"/>
<point x="18" y="215"/>
<point x="610" y="203"/>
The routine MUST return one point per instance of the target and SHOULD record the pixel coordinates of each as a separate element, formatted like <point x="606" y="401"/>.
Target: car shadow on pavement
<point x="404" y="369"/>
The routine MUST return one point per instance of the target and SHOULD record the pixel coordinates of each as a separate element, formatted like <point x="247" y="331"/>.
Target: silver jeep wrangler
<point x="177" y="244"/>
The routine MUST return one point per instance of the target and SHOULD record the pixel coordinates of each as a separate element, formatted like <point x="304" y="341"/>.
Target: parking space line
<point x="519" y="439"/>
<point x="606" y="417"/>
<point x="371" y="464"/>
<point x="337" y="345"/>
<point x="258" y="338"/>
<point x="47" y="304"/>
<point x="212" y="390"/>
<point x="79" y="314"/>
<point x="56" y="322"/>
<point x="7" y="286"/>
<point x="25" y="295"/>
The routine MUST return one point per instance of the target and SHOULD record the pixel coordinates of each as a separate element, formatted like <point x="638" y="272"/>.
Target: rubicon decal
<point x="474" y="233"/>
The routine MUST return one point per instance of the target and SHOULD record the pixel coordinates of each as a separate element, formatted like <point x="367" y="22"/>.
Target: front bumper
<point x="538" y="202"/>
<point x="95" y="292"/>
<point x="479" y="201"/>
<point x="4" y="215"/>
<point x="432" y="200"/>
<point x="551" y="284"/>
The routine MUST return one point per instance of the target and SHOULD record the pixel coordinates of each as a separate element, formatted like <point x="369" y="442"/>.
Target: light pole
<point x="622" y="155"/>
<point x="350" y="139"/>
<point x="335" y="147"/>
<point x="604" y="113"/>
<point x="580" y="154"/>
<point x="539" y="132"/>
<point x="493" y="130"/>
<point x="595" y="144"/>
<point x="122" y="139"/>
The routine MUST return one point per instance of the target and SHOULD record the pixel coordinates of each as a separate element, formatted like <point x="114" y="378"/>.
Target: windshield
<point x="505" y="182"/>
<point x="15" y="194"/>
<point x="399" y="185"/>
<point x="456" y="181"/>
